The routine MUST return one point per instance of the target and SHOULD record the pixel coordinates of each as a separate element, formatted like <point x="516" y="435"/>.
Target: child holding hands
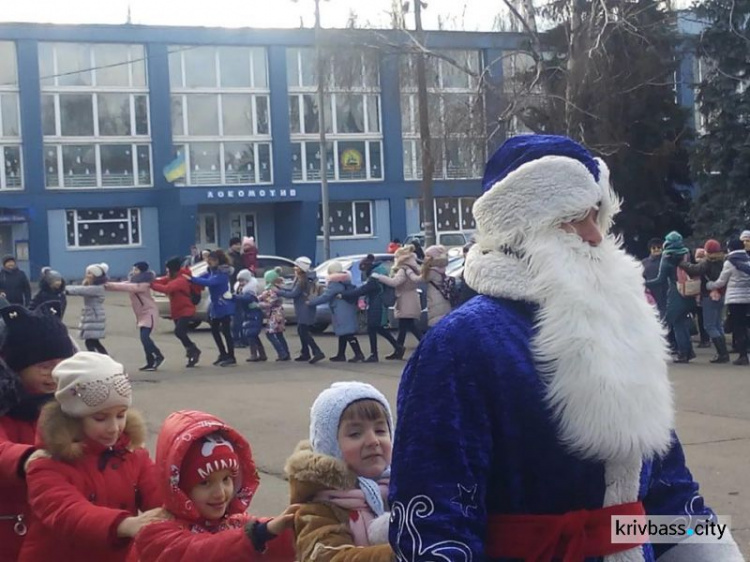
<point x="341" y="477"/>
<point x="208" y="477"/>
<point x="86" y="497"/>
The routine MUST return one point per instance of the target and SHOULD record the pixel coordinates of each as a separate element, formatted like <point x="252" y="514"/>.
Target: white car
<point x="454" y="241"/>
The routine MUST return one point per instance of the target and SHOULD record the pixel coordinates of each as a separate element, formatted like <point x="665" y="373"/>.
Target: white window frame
<point x="77" y="222"/>
<point x="242" y="218"/>
<point x="57" y="141"/>
<point x="13" y="142"/>
<point x="256" y="139"/>
<point x="333" y="137"/>
<point x="410" y="134"/>
<point x="354" y="221"/>
<point x="460" y="200"/>
<point x="201" y="243"/>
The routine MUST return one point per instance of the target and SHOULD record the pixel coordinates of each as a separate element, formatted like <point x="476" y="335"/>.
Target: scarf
<point x="365" y="504"/>
<point x="143" y="277"/>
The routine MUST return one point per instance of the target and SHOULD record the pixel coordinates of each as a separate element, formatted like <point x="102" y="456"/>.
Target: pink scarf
<point x="360" y="514"/>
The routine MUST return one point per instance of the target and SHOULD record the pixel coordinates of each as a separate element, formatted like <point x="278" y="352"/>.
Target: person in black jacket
<point x="377" y="314"/>
<point x="51" y="289"/>
<point x="14" y="285"/>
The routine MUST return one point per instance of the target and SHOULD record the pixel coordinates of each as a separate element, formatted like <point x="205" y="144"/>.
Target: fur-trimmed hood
<point x="310" y="473"/>
<point x="62" y="435"/>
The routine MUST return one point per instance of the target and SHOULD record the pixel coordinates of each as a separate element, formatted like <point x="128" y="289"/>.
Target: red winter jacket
<point x="81" y="495"/>
<point x="178" y="290"/>
<point x="189" y="538"/>
<point x="16" y="444"/>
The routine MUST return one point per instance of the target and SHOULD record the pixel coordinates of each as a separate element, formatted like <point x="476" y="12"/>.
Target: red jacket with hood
<point x="80" y="496"/>
<point x="16" y="444"/>
<point x="189" y="537"/>
<point x="179" y="292"/>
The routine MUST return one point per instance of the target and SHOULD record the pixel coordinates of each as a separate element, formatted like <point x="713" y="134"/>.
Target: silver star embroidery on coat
<point x="466" y="499"/>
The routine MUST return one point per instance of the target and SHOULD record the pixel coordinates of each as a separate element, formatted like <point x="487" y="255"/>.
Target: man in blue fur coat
<point x="539" y="409"/>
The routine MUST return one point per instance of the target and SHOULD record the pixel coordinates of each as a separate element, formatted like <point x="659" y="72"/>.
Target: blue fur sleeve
<point x="672" y="490"/>
<point x="438" y="510"/>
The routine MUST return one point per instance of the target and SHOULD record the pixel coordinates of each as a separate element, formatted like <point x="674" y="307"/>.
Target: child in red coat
<point x="33" y="344"/>
<point x="85" y="499"/>
<point x="208" y="478"/>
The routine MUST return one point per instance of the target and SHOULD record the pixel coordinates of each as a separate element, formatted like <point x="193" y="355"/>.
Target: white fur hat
<point x="745" y="235"/>
<point x="328" y="407"/>
<point x="90" y="382"/>
<point x="536" y="182"/>
<point x="97" y="269"/>
<point x="304" y="263"/>
<point x="245" y="275"/>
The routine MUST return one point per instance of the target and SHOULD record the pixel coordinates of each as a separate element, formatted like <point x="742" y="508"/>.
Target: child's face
<point x="56" y="284"/>
<point x="37" y="378"/>
<point x="106" y="426"/>
<point x="366" y="446"/>
<point x="212" y="496"/>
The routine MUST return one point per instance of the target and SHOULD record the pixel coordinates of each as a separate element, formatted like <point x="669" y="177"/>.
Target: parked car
<point x="351" y="264"/>
<point x="264" y="264"/>
<point x="454" y="241"/>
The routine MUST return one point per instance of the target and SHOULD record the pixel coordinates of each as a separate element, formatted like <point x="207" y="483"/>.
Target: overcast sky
<point x="470" y="15"/>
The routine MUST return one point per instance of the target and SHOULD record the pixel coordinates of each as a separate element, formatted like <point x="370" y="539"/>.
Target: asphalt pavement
<point x="269" y="404"/>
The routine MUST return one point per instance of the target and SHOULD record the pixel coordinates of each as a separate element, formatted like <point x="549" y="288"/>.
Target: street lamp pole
<point x="324" y="203"/>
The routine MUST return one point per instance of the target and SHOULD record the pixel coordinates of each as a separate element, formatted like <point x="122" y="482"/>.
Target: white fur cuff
<point x="377" y="532"/>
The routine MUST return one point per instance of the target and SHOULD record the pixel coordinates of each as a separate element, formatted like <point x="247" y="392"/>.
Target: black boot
<point x="372" y="358"/>
<point x="341" y="355"/>
<point x="681" y="358"/>
<point x="397" y="354"/>
<point x="358" y="355"/>
<point x="722" y="354"/>
<point x="193" y="355"/>
<point x="741" y="360"/>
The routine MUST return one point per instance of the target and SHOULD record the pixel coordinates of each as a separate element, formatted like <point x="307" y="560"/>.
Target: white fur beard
<point x="600" y="348"/>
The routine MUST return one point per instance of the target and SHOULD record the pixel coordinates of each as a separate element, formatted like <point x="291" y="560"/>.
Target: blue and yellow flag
<point x="176" y="169"/>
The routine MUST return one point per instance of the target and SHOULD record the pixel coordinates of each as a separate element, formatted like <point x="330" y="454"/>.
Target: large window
<point x="94" y="228"/>
<point x="355" y="146"/>
<point x="11" y="176"/>
<point x="452" y="214"/>
<point x="221" y="114"/>
<point x="350" y="219"/>
<point x="95" y="115"/>
<point x="456" y="116"/>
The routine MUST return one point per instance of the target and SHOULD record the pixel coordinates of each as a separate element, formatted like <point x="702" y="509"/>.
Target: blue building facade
<point x="90" y="116"/>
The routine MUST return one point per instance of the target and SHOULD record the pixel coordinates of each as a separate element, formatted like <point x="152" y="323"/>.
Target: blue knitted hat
<point x="521" y="149"/>
<point x="328" y="407"/>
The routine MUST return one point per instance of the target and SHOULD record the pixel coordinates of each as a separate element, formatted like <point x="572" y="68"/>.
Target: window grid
<point x="97" y="175"/>
<point x="262" y="172"/>
<point x="464" y="211"/>
<point x="470" y="135"/>
<point x="75" y="224"/>
<point x="11" y="172"/>
<point x="371" y="137"/>
<point x="358" y="230"/>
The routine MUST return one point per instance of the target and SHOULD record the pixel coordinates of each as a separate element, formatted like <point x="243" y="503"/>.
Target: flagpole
<point x="324" y="196"/>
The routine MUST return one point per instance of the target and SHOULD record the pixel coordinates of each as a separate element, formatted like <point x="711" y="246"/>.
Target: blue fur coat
<point x="483" y="416"/>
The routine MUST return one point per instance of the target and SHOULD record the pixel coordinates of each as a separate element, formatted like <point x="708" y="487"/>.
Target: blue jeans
<point x="712" y="317"/>
<point x="278" y="341"/>
<point x="149" y="347"/>
<point x="681" y="329"/>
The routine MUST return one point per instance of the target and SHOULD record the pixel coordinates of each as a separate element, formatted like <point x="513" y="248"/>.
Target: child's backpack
<point x="389" y="295"/>
<point x="449" y="290"/>
<point x="196" y="293"/>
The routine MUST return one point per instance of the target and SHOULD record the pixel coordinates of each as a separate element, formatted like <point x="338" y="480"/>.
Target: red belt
<point x="570" y="537"/>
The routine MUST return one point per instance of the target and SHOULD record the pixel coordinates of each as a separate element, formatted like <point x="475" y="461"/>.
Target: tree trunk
<point x="428" y="163"/>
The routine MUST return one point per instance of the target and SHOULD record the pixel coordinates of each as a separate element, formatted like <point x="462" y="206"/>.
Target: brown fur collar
<point x="62" y="437"/>
<point x="310" y="473"/>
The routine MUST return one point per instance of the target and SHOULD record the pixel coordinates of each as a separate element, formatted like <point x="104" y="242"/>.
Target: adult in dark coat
<point x="651" y="270"/>
<point x="377" y="313"/>
<point x="235" y="259"/>
<point x="14" y="285"/>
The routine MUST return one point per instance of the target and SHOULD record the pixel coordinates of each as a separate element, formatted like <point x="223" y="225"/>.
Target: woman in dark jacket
<point x="305" y="283"/>
<point x="377" y="313"/>
<point x="712" y="302"/>
<point x="678" y="307"/>
<point x="222" y="306"/>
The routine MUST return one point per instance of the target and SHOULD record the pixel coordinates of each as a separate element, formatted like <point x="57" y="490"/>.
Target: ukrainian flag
<point x="176" y="169"/>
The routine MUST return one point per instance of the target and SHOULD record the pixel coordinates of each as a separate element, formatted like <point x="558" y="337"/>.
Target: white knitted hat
<point x="97" y="269"/>
<point x="245" y="275"/>
<point x="90" y="382"/>
<point x="745" y="235"/>
<point x="304" y="263"/>
<point x="328" y="407"/>
<point x="335" y="267"/>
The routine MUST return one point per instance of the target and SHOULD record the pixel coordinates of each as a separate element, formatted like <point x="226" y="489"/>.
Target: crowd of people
<point x="242" y="306"/>
<point x="528" y="417"/>
<point x="691" y="290"/>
